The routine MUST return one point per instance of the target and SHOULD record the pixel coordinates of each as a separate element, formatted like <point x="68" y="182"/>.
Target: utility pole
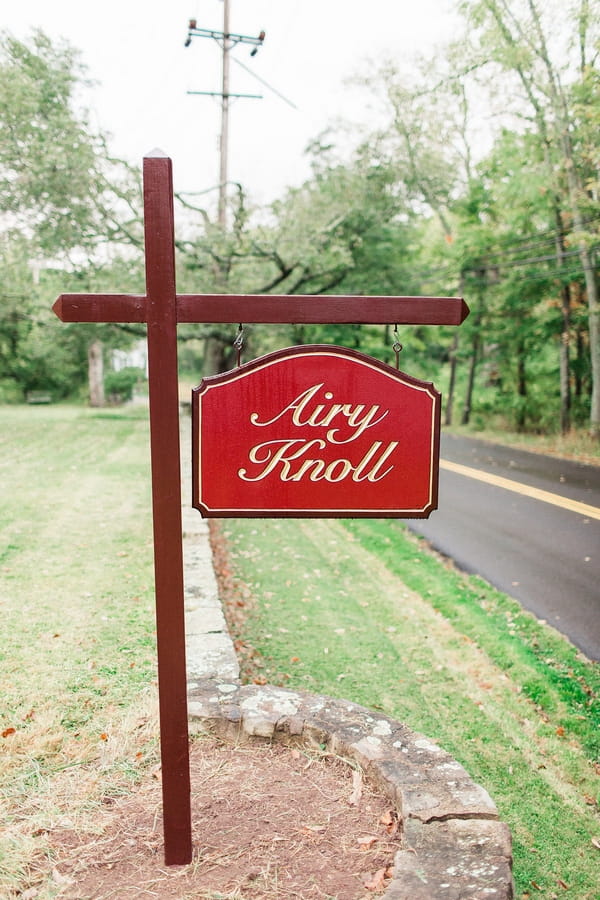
<point x="226" y="40"/>
<point x="224" y="138"/>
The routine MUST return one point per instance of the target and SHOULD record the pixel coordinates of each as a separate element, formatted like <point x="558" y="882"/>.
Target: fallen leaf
<point x="596" y="843"/>
<point x="366" y="841"/>
<point x="314" y="829"/>
<point x="295" y="659"/>
<point x="391" y="821"/>
<point x="560" y="731"/>
<point x="535" y="885"/>
<point x="59" y="878"/>
<point x="357" y="782"/>
<point x="377" y="882"/>
<point x="8" y="731"/>
<point x="563" y="885"/>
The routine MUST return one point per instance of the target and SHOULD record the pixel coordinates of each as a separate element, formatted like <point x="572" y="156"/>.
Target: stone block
<point x="454" y="860"/>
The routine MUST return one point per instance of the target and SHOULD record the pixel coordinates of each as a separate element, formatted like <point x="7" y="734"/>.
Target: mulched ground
<point x="269" y="821"/>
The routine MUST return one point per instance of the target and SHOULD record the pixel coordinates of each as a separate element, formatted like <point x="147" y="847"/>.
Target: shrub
<point x="119" y="386"/>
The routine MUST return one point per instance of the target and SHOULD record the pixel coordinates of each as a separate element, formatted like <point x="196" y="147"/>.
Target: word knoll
<point x="271" y="439"/>
<point x="279" y="459"/>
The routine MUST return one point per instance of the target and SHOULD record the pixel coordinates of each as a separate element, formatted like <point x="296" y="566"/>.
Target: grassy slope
<point x="359" y="609"/>
<point x="77" y="659"/>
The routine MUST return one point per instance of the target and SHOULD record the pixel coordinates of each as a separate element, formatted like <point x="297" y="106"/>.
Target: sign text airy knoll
<point x="315" y="431"/>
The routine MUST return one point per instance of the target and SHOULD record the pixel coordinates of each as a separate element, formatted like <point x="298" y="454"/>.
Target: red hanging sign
<point x="315" y="431"/>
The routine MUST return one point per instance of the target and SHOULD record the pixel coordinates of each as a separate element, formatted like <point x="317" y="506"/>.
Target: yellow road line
<point x="584" y="509"/>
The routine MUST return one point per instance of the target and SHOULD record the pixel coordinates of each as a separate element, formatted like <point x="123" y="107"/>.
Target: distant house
<point x="136" y="357"/>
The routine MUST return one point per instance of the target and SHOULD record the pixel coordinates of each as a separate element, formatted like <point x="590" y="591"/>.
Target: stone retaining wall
<point x="453" y="845"/>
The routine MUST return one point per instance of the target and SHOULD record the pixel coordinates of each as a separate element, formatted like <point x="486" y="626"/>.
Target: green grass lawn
<point x="361" y="610"/>
<point x="77" y="658"/>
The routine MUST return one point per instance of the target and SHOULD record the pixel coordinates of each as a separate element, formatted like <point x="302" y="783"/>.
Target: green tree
<point x="62" y="199"/>
<point x="337" y="232"/>
<point x="48" y="158"/>
<point x="544" y="68"/>
<point x="505" y="247"/>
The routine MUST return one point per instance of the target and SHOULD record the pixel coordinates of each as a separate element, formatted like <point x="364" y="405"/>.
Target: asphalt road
<point x="545" y="555"/>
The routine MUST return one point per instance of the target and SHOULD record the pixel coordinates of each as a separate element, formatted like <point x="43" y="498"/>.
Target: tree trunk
<point x="451" y="385"/>
<point x="564" y="349"/>
<point x="521" y="390"/>
<point x="96" y="373"/>
<point x="578" y="367"/>
<point x="564" y="361"/>
<point x="593" y="298"/>
<point x="475" y="345"/>
<point x="217" y="356"/>
<point x="466" y="416"/>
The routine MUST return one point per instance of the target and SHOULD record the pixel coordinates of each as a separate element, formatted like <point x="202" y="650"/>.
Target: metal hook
<point x="397" y="346"/>
<point x="239" y="343"/>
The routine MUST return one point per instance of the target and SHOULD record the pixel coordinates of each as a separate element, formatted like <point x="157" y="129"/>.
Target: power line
<point x="266" y="83"/>
<point x="515" y="245"/>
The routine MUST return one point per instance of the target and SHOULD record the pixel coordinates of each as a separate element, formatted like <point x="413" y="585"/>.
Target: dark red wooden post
<point x="166" y="505"/>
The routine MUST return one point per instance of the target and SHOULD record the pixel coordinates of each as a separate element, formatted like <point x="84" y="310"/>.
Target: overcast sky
<point x="134" y="50"/>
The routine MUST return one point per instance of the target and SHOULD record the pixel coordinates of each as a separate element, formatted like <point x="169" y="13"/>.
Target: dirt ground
<point x="269" y="821"/>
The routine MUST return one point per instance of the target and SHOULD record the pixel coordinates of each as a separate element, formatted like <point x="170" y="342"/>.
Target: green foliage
<point x="58" y="208"/>
<point x="47" y="157"/>
<point x="119" y="385"/>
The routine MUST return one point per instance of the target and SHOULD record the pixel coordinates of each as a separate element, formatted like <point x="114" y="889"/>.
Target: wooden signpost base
<point x="162" y="310"/>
